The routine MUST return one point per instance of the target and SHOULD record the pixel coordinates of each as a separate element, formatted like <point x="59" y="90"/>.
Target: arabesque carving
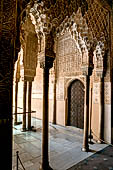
<point x="75" y="17"/>
<point x="29" y="43"/>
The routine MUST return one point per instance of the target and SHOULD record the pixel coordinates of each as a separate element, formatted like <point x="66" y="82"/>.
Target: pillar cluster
<point x="26" y="70"/>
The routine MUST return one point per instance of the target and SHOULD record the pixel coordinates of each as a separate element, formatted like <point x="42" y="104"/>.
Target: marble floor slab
<point x="65" y="144"/>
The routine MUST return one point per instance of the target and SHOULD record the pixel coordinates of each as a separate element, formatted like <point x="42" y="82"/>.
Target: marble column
<point x="45" y="121"/>
<point x="87" y="68"/>
<point x="46" y="62"/>
<point x="90" y="117"/>
<point x="54" y="95"/>
<point x="54" y="103"/>
<point x="101" y="105"/>
<point x="86" y="115"/>
<point x="16" y="101"/>
<point x="24" y="105"/>
<point x="29" y="104"/>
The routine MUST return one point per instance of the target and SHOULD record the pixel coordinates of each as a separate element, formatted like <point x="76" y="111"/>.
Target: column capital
<point x="46" y="62"/>
<point x="17" y="80"/>
<point x="47" y="54"/>
<point x="86" y="70"/>
<point x="100" y="73"/>
<point x="100" y="55"/>
<point x="29" y="78"/>
<point x="87" y="61"/>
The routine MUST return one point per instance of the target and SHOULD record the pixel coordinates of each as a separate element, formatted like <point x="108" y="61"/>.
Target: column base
<point x="54" y="123"/>
<point x="46" y="168"/>
<point x="32" y="128"/>
<point x="29" y="129"/>
<point x="17" y="123"/>
<point x="99" y="141"/>
<point x="90" y="139"/>
<point x="23" y="130"/>
<point x="85" y="149"/>
<point x="91" y="142"/>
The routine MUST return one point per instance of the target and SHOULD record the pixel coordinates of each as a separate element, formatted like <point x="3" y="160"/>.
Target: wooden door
<point x="76" y="104"/>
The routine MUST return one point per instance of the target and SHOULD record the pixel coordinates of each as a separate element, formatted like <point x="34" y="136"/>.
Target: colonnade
<point x="9" y="31"/>
<point x="26" y="84"/>
<point x="45" y="119"/>
<point x="87" y="72"/>
<point x="46" y="58"/>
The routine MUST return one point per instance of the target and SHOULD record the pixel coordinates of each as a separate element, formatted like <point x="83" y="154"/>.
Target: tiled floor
<point x="65" y="145"/>
<point x="102" y="160"/>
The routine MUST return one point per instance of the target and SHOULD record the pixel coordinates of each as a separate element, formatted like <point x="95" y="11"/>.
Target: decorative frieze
<point x="107" y="93"/>
<point x="96" y="95"/>
<point x="68" y="56"/>
<point x="60" y="89"/>
<point x="30" y="60"/>
<point x="29" y="46"/>
<point x="107" y="76"/>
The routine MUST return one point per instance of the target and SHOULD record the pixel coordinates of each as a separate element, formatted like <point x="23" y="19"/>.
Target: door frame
<point x="66" y="97"/>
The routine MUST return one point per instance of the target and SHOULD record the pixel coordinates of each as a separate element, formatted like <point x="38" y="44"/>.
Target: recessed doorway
<point x="76" y="104"/>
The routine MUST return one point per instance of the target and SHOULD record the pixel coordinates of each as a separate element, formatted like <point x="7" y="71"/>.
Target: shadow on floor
<point x="102" y="160"/>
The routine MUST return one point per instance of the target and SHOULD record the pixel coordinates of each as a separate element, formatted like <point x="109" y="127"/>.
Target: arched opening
<point x="76" y="104"/>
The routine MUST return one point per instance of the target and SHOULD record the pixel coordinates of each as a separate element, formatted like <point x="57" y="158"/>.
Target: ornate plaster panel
<point x="96" y="90"/>
<point x="68" y="80"/>
<point x="68" y="56"/>
<point x="107" y="93"/>
<point x="60" y="89"/>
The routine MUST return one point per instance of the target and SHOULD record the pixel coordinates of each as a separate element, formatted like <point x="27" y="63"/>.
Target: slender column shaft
<point x="54" y="93"/>
<point x="90" y="115"/>
<point x="45" y="162"/>
<point x="100" y="110"/>
<point x="16" y="101"/>
<point x="86" y="116"/>
<point x="29" y="104"/>
<point x="24" y="105"/>
<point x="54" y="103"/>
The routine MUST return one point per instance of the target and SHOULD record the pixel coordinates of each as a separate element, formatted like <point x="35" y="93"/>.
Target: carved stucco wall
<point x="68" y="56"/>
<point x="107" y="99"/>
<point x="68" y="59"/>
<point x="107" y="83"/>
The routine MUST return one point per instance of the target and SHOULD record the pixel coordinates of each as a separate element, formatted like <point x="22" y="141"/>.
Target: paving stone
<point x="65" y="146"/>
<point x="36" y="143"/>
<point x="29" y="148"/>
<point x="29" y="138"/>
